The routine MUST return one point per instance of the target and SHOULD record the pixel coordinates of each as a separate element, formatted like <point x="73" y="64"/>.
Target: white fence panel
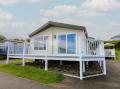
<point x="93" y="47"/>
<point x="110" y="52"/>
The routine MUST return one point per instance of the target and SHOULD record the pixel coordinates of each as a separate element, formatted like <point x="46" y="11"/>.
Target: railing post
<point x="80" y="61"/>
<point x="104" y="67"/>
<point x="114" y="54"/>
<point x="83" y="66"/>
<point x="104" y="61"/>
<point x="46" y="55"/>
<point x="7" y="61"/>
<point x="102" y="50"/>
<point x="23" y="60"/>
<point x="61" y="62"/>
<point x="81" y="70"/>
<point x="100" y="63"/>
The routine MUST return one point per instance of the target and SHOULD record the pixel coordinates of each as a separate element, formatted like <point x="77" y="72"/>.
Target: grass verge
<point x="32" y="73"/>
<point x="117" y="54"/>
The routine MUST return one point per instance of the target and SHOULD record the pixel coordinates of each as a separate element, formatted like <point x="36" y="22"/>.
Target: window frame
<point x="66" y="34"/>
<point x="38" y="48"/>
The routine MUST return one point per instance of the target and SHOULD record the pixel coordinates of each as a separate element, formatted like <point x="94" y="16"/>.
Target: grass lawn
<point x="118" y="54"/>
<point x="32" y="73"/>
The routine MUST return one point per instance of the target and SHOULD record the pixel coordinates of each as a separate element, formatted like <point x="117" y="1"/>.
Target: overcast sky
<point x="18" y="18"/>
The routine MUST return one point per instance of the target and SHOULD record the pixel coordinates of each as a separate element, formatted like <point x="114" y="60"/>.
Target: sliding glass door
<point x="71" y="43"/>
<point x="62" y="44"/>
<point x="67" y="43"/>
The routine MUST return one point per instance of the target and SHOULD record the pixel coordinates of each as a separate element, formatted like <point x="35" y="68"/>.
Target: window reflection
<point x="71" y="43"/>
<point x="62" y="44"/>
<point x="67" y="43"/>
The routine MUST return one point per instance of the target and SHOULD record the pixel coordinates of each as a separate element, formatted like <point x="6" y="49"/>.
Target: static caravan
<point x="64" y="42"/>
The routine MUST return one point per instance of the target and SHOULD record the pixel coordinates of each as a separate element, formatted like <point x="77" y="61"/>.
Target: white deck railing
<point x="110" y="52"/>
<point x="3" y="48"/>
<point x="91" y="47"/>
<point x="18" y="48"/>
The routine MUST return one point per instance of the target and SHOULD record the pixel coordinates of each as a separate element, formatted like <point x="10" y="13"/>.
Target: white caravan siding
<point x="54" y="31"/>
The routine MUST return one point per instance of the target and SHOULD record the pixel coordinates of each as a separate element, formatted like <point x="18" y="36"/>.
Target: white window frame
<point x="43" y="43"/>
<point x="67" y="42"/>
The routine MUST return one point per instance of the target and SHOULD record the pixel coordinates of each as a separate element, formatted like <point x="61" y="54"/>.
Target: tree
<point x="2" y="38"/>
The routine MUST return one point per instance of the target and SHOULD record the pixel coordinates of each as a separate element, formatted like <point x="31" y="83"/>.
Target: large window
<point x="67" y="43"/>
<point x="39" y="43"/>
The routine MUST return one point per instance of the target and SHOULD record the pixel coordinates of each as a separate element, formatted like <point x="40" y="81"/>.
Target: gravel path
<point x="12" y="82"/>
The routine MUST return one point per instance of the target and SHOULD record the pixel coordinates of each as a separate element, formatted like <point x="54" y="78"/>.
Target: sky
<point x="18" y="18"/>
